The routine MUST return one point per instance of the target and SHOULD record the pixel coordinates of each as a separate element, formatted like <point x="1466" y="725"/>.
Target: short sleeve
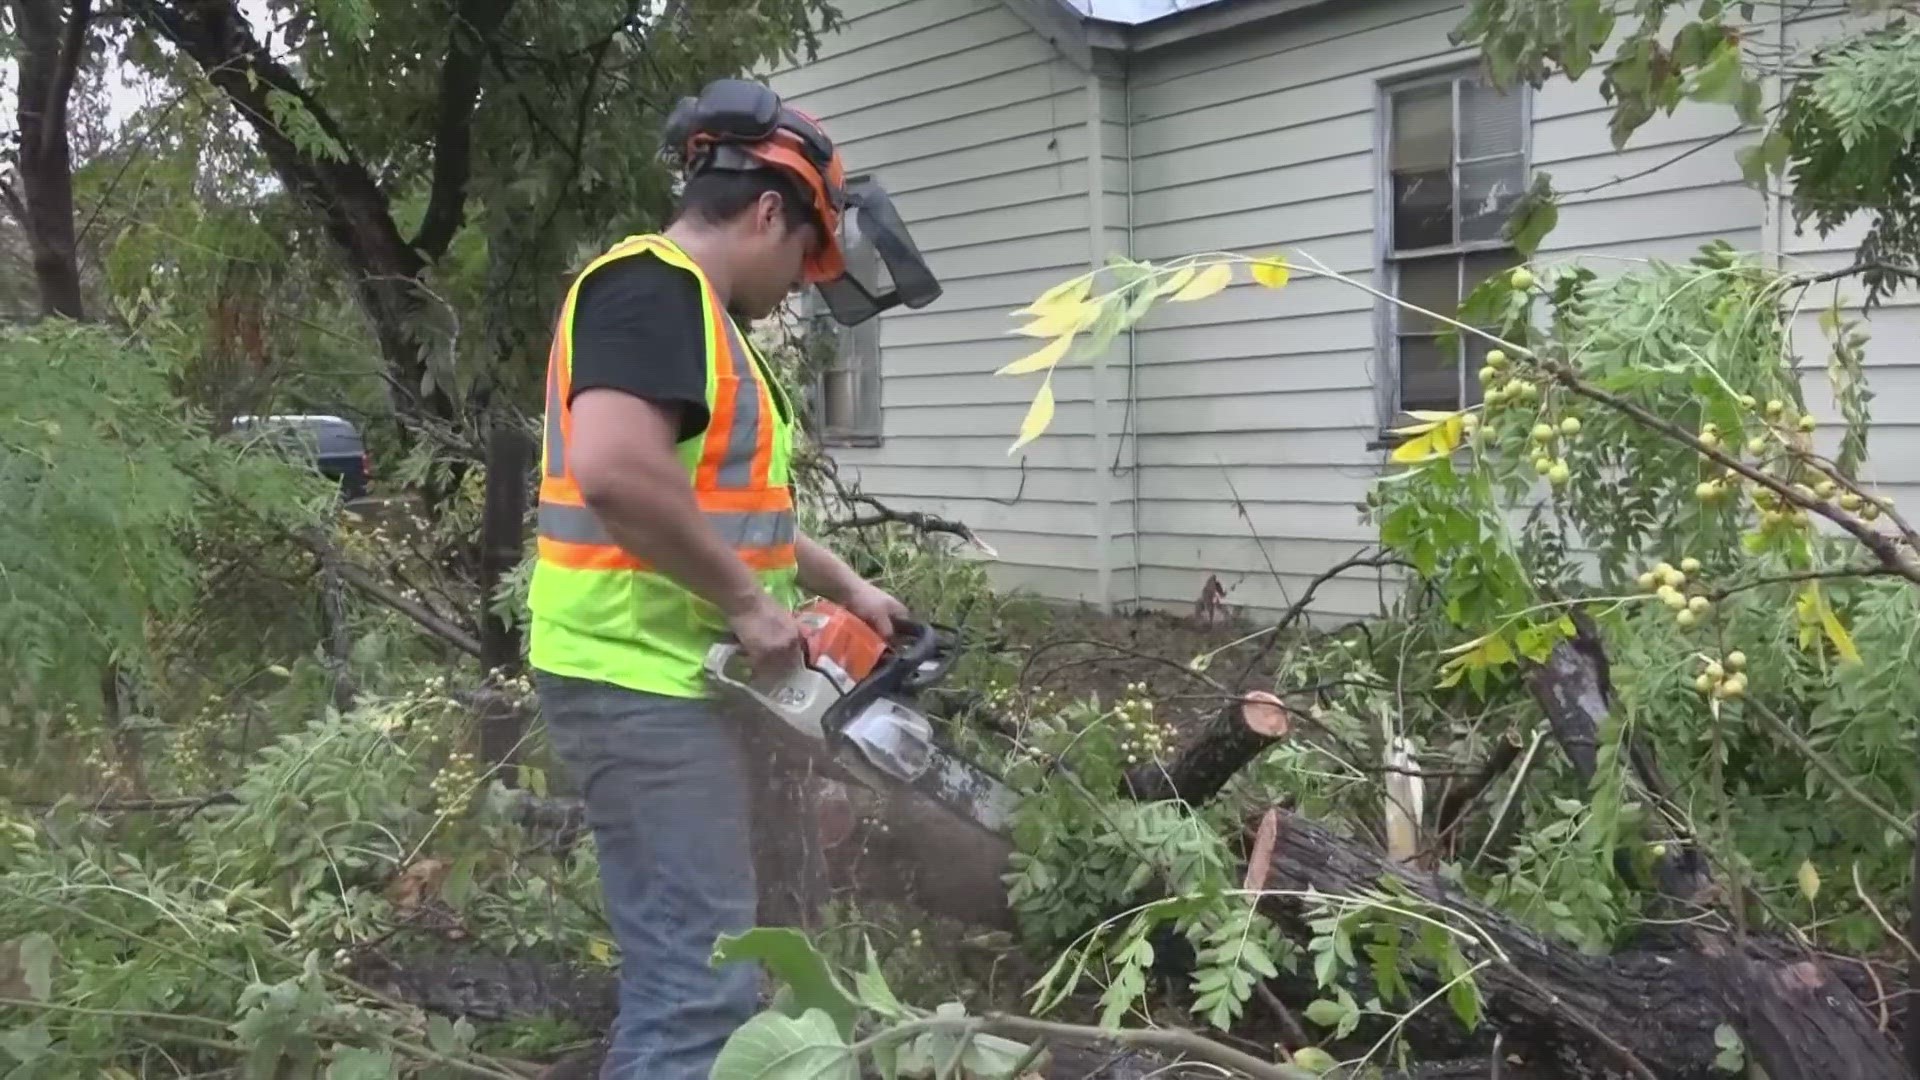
<point x="639" y="326"/>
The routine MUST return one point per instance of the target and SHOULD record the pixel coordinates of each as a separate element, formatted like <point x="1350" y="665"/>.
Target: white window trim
<point x="819" y="321"/>
<point x="1386" y="320"/>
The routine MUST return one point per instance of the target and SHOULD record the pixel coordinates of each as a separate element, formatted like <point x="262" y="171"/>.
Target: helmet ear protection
<point x="742" y="126"/>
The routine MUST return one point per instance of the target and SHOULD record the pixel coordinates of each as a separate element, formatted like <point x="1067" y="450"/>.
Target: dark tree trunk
<point x="502" y="537"/>
<point x="1796" y="1017"/>
<point x="52" y="42"/>
<point x="339" y="186"/>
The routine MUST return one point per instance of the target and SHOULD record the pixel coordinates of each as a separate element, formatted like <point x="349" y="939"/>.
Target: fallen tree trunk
<point x="1796" y="1017"/>
<point x="1658" y="1007"/>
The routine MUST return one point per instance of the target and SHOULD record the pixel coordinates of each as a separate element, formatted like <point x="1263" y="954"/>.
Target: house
<point x="1024" y="139"/>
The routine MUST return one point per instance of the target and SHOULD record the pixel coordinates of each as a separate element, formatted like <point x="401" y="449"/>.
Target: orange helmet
<point x="743" y="126"/>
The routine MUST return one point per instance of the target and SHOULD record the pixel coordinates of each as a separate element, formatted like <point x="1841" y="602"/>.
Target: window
<point x="1455" y="166"/>
<point x="846" y="395"/>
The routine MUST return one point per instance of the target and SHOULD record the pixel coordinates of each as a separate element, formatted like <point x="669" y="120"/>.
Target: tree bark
<point x="52" y="44"/>
<point x="502" y="538"/>
<point x="337" y="184"/>
<point x="1212" y="752"/>
<point x="1796" y="1017"/>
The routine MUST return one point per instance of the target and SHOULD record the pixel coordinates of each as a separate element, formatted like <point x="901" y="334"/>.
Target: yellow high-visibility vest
<point x="601" y="612"/>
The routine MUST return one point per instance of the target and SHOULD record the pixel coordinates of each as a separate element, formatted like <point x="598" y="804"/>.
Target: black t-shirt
<point x="640" y="326"/>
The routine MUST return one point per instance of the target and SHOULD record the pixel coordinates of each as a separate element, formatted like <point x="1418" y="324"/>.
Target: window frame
<point x="845" y="356"/>
<point x="1386" y="260"/>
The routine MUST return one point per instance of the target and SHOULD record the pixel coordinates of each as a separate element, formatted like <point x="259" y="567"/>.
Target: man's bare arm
<point x="823" y="572"/>
<point x="622" y="454"/>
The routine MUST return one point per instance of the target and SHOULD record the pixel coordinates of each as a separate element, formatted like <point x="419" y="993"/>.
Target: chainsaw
<point x="854" y="695"/>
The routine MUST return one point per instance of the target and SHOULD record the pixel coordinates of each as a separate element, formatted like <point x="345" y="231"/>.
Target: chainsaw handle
<point x="916" y="645"/>
<point x="929" y="658"/>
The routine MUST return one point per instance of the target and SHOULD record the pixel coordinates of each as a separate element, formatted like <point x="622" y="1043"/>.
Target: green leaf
<point x="792" y="959"/>
<point x="27" y="1044"/>
<point x="871" y="985"/>
<point x="1721" y="79"/>
<point x="1465" y="999"/>
<point x="441" y="1036"/>
<point x="36" y="952"/>
<point x="1315" y="1060"/>
<point x="1533" y="218"/>
<point x="775" y="1047"/>
<point x="991" y="1057"/>
<point x="357" y="1063"/>
<point x="1327" y="1014"/>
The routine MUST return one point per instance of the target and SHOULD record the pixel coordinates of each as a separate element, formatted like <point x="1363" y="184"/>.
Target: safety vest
<point x="601" y="612"/>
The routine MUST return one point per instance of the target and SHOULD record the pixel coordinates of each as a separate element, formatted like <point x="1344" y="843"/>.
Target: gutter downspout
<point x="1130" y="434"/>
<point x="1096" y="256"/>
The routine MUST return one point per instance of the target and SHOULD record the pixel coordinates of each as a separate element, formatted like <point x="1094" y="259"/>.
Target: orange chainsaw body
<point x="839" y="642"/>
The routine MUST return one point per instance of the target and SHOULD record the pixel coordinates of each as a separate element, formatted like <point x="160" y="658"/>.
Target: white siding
<point x="1265" y="140"/>
<point x="1233" y="435"/>
<point x="1894" y="372"/>
<point x="980" y="131"/>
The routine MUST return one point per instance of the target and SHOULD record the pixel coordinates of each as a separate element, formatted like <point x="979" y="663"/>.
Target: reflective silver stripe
<point x="738" y="529"/>
<point x="736" y="469"/>
<point x="757" y="529"/>
<point x="556" y="438"/>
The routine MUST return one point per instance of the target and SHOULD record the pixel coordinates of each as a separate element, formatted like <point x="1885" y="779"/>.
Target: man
<point x="666" y="522"/>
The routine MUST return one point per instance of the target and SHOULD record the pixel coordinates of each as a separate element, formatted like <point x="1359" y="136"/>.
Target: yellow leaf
<point x="1813" y="611"/>
<point x="1068" y="293"/>
<point x="1272" y="273"/>
<point x="1206" y="283"/>
<point x="1431" y="440"/>
<point x="1809" y="880"/>
<point x="1430" y="414"/>
<point x="1466" y="646"/>
<point x="1039" y="415"/>
<point x="1061" y="319"/>
<point x="1175" y="281"/>
<point x="1040" y="359"/>
<point x="1484" y="653"/>
<point x="600" y="949"/>
<point x="1837" y="633"/>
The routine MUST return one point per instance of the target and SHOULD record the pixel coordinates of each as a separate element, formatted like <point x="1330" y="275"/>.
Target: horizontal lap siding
<point x="1893" y="446"/>
<point x="980" y="131"/>
<point x="1255" y="408"/>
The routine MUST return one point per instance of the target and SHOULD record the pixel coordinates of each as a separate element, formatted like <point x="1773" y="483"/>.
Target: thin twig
<point x="1781" y="728"/>
<point x="1882" y="919"/>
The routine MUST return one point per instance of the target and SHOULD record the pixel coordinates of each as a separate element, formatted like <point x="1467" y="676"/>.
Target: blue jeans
<point x="667" y="794"/>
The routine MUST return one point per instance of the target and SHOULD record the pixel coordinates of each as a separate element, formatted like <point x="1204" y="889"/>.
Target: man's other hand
<point x="875" y="607"/>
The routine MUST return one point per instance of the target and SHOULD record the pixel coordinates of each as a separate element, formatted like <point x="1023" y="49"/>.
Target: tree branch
<point x="474" y="24"/>
<point x="1883" y="546"/>
<point x="1299" y="607"/>
<point x="60" y="93"/>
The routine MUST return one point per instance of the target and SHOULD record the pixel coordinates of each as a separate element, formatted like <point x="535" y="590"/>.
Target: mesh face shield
<point x="883" y="268"/>
<point x="867" y="261"/>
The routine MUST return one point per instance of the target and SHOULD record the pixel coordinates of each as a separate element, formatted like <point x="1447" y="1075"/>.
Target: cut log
<point x="1589" y="1014"/>
<point x="1210" y="753"/>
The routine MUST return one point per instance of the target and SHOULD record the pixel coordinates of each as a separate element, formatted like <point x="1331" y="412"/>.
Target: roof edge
<point x="1080" y="36"/>
<point x="1215" y="18"/>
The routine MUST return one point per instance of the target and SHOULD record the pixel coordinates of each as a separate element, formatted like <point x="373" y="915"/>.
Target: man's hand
<point x="770" y="635"/>
<point x="873" y="606"/>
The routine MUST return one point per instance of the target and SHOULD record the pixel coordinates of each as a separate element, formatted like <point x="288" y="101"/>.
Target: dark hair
<point x="720" y="195"/>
